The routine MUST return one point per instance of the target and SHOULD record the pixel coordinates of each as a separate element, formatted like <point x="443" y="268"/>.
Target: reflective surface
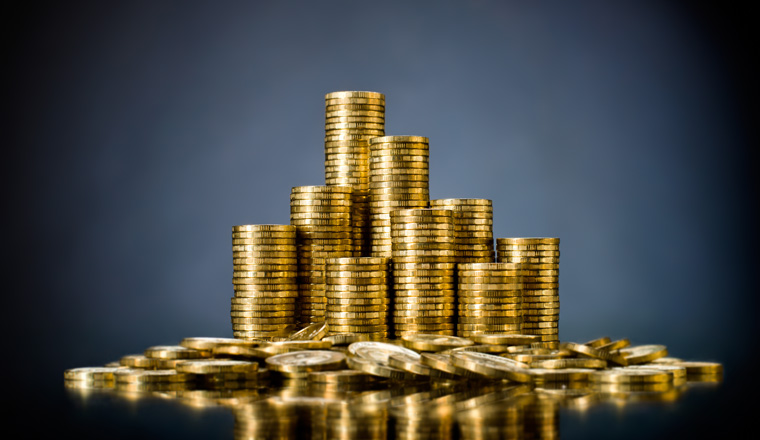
<point x="273" y="408"/>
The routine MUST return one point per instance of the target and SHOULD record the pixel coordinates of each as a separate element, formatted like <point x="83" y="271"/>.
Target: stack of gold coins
<point x="357" y="296"/>
<point x="475" y="230"/>
<point x="424" y="261"/>
<point x="489" y="299"/>
<point x="351" y="120"/>
<point x="398" y="179"/>
<point x="264" y="266"/>
<point x="539" y="258"/>
<point x="322" y="217"/>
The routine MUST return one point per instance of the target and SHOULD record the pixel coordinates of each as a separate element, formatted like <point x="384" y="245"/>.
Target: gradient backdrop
<point x="140" y="132"/>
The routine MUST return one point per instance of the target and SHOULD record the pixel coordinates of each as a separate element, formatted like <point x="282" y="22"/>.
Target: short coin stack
<point x="424" y="260"/>
<point x="539" y="258"/>
<point x="358" y="296"/>
<point x="489" y="299"/>
<point x="351" y="119"/>
<point x="264" y="278"/>
<point x="398" y="176"/>
<point x="475" y="230"/>
<point x="322" y="217"/>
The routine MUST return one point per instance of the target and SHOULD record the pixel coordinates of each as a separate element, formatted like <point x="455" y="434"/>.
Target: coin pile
<point x="351" y="119"/>
<point x="322" y="218"/>
<point x="475" y="230"/>
<point x="264" y="273"/>
<point x="398" y="179"/>
<point x="424" y="260"/>
<point x="489" y="299"/>
<point x="539" y="258"/>
<point x="358" y="296"/>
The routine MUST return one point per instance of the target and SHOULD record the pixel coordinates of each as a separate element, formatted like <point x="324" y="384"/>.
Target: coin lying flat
<point x="215" y="366"/>
<point x="504" y="339"/>
<point x="306" y="361"/>
<point x="491" y="366"/>
<point x="643" y="353"/>
<point x="428" y="342"/>
<point x="377" y="369"/>
<point x="91" y="373"/>
<point x="693" y="367"/>
<point x="203" y="343"/>
<point x="570" y="363"/>
<point x="150" y="376"/>
<point x="346" y="338"/>
<point x="340" y="377"/>
<point x="595" y="353"/>
<point x="378" y="352"/>
<point x="630" y="375"/>
<point x="174" y="352"/>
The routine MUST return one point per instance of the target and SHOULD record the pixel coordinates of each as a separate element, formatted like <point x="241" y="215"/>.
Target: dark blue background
<point x="140" y="132"/>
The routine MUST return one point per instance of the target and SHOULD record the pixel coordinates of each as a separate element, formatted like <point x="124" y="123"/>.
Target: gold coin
<point x="427" y="342"/>
<point x="174" y="352"/>
<point x="129" y="375"/>
<point x="398" y="139"/>
<point x="216" y="366"/>
<point x="643" y="353"/>
<point x="306" y="361"/>
<point x="696" y="368"/>
<point x="630" y="375"/>
<point x="139" y="361"/>
<point x="264" y="228"/>
<point x="356" y="113"/>
<point x="594" y="353"/>
<point x="288" y="262"/>
<point x="495" y="367"/>
<point x="522" y="240"/>
<point x="504" y="339"/>
<point x="349" y="101"/>
<point x="90" y="374"/>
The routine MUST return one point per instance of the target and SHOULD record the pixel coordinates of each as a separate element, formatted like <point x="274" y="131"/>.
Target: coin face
<point x="311" y="332"/>
<point x="431" y="342"/>
<point x="643" y="353"/>
<point x="306" y="360"/>
<point x="491" y="366"/>
<point x="378" y="351"/>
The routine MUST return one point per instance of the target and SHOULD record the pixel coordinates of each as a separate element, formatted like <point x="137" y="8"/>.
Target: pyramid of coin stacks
<point x="370" y="254"/>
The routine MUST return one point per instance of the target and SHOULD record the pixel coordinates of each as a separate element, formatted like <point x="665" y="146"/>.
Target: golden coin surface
<point x="428" y="342"/>
<point x="306" y="361"/>
<point x="378" y="351"/>
<point x="264" y="228"/>
<point x="377" y="369"/>
<point x="91" y="373"/>
<point x="496" y="367"/>
<point x="340" y="376"/>
<point x="504" y="339"/>
<point x="594" y="353"/>
<point x="630" y="375"/>
<point x="139" y="361"/>
<point x="569" y="363"/>
<point x="643" y="353"/>
<point x="216" y="366"/>
<point x="346" y="338"/>
<point x="313" y="332"/>
<point x="150" y="376"/>
<point x="174" y="352"/>
<point x="408" y="363"/>
<point x="694" y="367"/>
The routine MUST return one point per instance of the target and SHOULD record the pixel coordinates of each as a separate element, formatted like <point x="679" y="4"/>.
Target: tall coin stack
<point x="322" y="217"/>
<point x="399" y="179"/>
<point x="357" y="295"/>
<point x="264" y="265"/>
<point x="539" y="258"/>
<point x="424" y="263"/>
<point x="351" y="119"/>
<point x="489" y="298"/>
<point x="475" y="230"/>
